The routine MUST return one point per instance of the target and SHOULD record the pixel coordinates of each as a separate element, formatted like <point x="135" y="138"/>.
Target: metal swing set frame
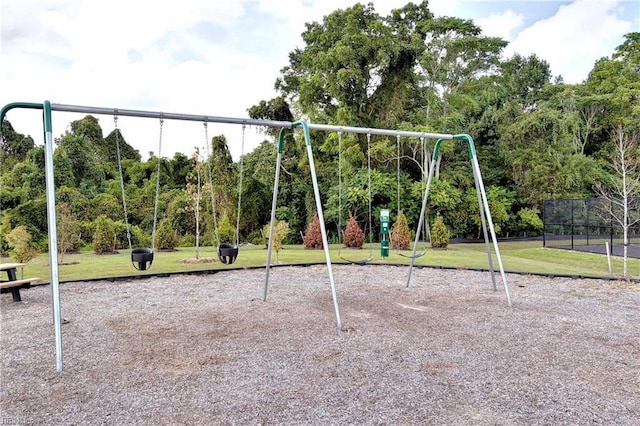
<point x="47" y="107"/>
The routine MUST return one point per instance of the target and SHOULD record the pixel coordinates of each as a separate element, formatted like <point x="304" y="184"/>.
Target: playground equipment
<point x="48" y="107"/>
<point x="227" y="252"/>
<point x="370" y="226"/>
<point x="424" y="167"/>
<point x="141" y="258"/>
<point x="384" y="232"/>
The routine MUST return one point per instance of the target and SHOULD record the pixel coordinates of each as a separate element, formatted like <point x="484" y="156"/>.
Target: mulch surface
<point x="207" y="349"/>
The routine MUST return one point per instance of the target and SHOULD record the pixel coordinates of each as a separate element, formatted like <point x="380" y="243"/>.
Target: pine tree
<point x="439" y="233"/>
<point x="400" y="234"/>
<point x="353" y="235"/>
<point x="166" y="236"/>
<point x="313" y="236"/>
<point x="104" y="237"/>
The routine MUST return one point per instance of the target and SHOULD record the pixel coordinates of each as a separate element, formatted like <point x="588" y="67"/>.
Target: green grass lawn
<point x="528" y="256"/>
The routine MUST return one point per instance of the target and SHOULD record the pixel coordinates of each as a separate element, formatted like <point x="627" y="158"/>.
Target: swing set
<point x="369" y="229"/>
<point x="141" y="258"/>
<point x="385" y="230"/>
<point x="144" y="257"/>
<point x="227" y="252"/>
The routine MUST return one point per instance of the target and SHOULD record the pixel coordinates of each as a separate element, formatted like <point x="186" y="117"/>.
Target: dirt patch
<point x="206" y="349"/>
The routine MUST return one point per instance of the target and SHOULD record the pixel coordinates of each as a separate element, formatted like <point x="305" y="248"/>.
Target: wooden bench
<point x="14" y="287"/>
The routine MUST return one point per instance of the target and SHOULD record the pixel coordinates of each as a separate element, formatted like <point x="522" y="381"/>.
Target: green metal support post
<point x="51" y="215"/>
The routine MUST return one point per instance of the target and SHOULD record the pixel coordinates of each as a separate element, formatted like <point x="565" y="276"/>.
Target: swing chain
<point x="370" y="190"/>
<point x="340" y="187"/>
<point x="398" y="171"/>
<point x="155" y="204"/>
<point x="122" y="189"/>
<point x="210" y="176"/>
<point x="244" y="126"/>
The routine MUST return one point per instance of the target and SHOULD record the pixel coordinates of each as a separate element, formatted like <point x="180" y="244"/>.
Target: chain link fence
<point x="587" y="224"/>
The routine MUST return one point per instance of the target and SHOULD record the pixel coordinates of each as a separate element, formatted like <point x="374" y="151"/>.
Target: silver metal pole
<point x="273" y="212"/>
<point x="245" y="121"/>
<point x="422" y="212"/>
<point x="168" y="115"/>
<point x="375" y="131"/>
<point x="474" y="161"/>
<point x="325" y="242"/>
<point x="53" y="239"/>
<point x="484" y="229"/>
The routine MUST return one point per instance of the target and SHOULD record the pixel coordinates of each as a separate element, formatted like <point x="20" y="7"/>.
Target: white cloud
<point x="216" y="57"/>
<point x="78" y="52"/>
<point x="503" y="24"/>
<point x="574" y="38"/>
<point x="445" y="7"/>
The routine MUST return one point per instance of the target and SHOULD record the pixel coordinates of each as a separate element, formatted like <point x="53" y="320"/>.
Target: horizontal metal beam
<point x="245" y="121"/>
<point x="374" y="131"/>
<point x="227" y="120"/>
<point x="168" y="115"/>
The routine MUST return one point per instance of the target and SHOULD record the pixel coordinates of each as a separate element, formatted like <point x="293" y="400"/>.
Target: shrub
<point x="255" y="237"/>
<point x="280" y="232"/>
<point x="139" y="238"/>
<point x="104" y="237"/>
<point x="313" y="236"/>
<point x="187" y="240"/>
<point x="400" y="233"/>
<point x="19" y="240"/>
<point x="226" y="231"/>
<point x="439" y="233"/>
<point x="353" y="235"/>
<point x="166" y="236"/>
<point x="68" y="230"/>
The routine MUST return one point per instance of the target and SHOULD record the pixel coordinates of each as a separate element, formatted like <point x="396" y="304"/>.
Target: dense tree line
<point x="537" y="138"/>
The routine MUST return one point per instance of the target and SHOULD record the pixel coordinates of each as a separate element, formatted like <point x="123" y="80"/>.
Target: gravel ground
<point x="206" y="349"/>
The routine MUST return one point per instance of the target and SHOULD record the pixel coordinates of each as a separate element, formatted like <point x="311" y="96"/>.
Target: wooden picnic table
<point x="13" y="284"/>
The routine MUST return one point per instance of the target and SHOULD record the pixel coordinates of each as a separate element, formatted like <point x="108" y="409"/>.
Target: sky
<point x="220" y="57"/>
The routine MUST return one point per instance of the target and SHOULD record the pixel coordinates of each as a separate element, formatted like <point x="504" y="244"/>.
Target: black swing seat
<point x="227" y="253"/>
<point x="142" y="258"/>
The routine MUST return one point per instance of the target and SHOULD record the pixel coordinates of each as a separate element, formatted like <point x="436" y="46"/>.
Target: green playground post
<point x="384" y="231"/>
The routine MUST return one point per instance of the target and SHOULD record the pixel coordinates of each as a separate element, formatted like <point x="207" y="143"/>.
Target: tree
<point x="276" y="109"/>
<point x="439" y="233"/>
<point x="104" y="237"/>
<point x="618" y="80"/>
<point x="14" y="146"/>
<point x="400" y="233"/>
<point x="313" y="236"/>
<point x="280" y="232"/>
<point x="340" y="64"/>
<point x="127" y="152"/>
<point x="622" y="184"/>
<point x="353" y="235"/>
<point x="166" y="236"/>
<point x="194" y="190"/>
<point x="19" y="240"/>
<point x="456" y="54"/>
<point x="226" y="231"/>
<point x="540" y="158"/>
<point x="524" y="79"/>
<point x="68" y="230"/>
<point x="223" y="176"/>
